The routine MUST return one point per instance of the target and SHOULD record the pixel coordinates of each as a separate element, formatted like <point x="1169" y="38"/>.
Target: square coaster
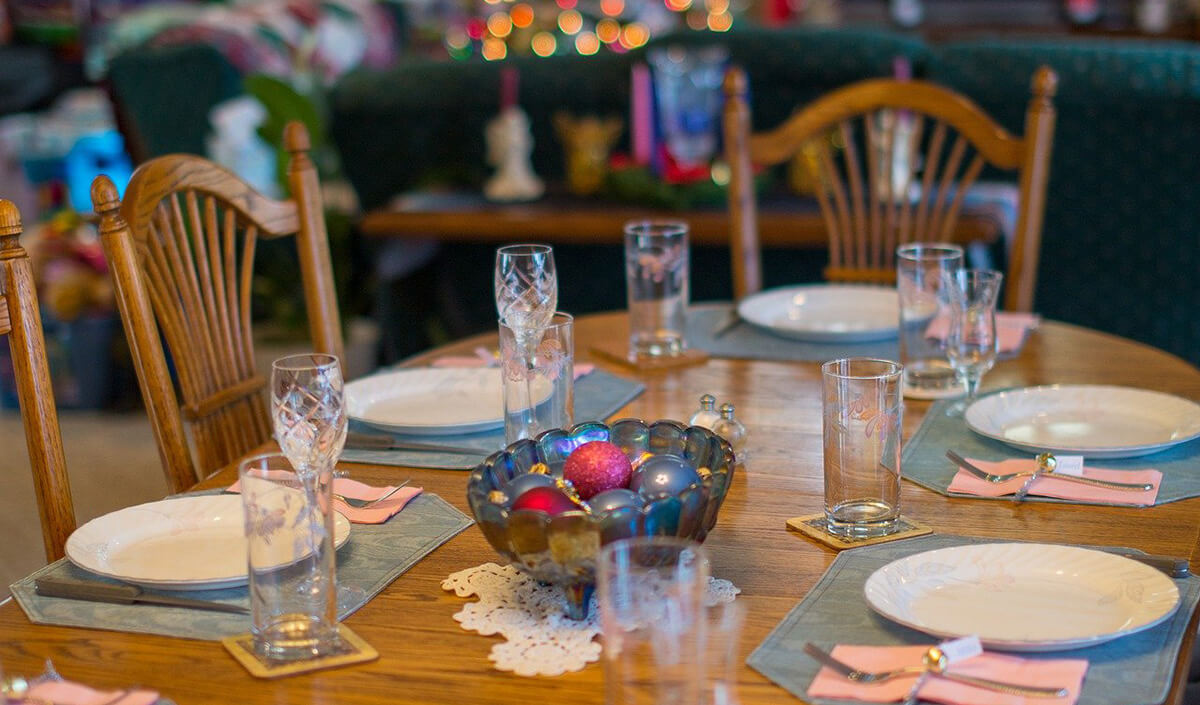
<point x="353" y="650"/>
<point x="649" y="364"/>
<point x="813" y="526"/>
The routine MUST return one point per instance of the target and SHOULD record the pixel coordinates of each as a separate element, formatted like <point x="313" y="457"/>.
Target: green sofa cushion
<point x="1120" y="250"/>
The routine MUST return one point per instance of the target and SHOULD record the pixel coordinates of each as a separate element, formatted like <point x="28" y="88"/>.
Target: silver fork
<point x="368" y="503"/>
<point x="868" y="677"/>
<point x="997" y="479"/>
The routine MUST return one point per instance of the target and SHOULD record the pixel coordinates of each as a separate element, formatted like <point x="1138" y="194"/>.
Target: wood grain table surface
<point x="428" y="658"/>
<point x="585" y="221"/>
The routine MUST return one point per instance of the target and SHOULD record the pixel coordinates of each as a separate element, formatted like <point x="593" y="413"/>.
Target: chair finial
<point x="1045" y="82"/>
<point x="104" y="195"/>
<point x="295" y="137"/>
<point x="10" y="218"/>
<point x="735" y="82"/>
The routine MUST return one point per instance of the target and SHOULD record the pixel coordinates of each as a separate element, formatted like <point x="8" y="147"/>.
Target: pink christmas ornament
<point x="597" y="466"/>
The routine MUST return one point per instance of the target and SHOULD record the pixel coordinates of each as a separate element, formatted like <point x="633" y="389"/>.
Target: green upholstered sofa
<point x="1121" y="244"/>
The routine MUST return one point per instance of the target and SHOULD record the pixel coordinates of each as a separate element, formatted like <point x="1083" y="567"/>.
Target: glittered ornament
<point x="663" y="476"/>
<point x="597" y="466"/>
<point x="550" y="500"/>
<point x="618" y="498"/>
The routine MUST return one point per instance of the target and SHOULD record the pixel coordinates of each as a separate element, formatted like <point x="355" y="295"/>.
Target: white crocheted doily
<point x="539" y="638"/>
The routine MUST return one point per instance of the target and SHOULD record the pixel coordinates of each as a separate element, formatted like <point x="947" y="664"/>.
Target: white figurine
<point x="509" y="145"/>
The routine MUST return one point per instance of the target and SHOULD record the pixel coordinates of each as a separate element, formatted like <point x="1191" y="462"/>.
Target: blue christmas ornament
<point x="616" y="499"/>
<point x="663" y="476"/>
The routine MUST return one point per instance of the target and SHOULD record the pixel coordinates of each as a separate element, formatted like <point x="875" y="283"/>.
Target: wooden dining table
<point x="426" y="657"/>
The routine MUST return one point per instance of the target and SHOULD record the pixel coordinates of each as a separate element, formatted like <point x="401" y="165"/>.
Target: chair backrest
<point x="181" y="247"/>
<point x="20" y="320"/>
<point x="868" y="202"/>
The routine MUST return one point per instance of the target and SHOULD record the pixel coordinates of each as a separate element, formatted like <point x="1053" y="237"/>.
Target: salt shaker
<point x="707" y="415"/>
<point x="732" y="430"/>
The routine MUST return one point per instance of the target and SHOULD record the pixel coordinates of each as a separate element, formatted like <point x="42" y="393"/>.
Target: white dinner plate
<point x="1022" y="596"/>
<point x="189" y="543"/>
<point x="825" y="313"/>
<point x="433" y="400"/>
<point x="1090" y="420"/>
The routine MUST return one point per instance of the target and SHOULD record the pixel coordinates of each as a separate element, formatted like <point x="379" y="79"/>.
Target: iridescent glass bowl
<point x="562" y="549"/>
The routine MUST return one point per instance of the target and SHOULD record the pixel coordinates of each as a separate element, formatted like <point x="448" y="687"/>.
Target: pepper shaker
<point x="732" y="430"/>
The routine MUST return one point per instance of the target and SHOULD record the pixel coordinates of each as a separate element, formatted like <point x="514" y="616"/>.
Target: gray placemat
<point x="375" y="555"/>
<point x="744" y="341"/>
<point x="598" y="395"/>
<point x="924" y="459"/>
<point x="1132" y="670"/>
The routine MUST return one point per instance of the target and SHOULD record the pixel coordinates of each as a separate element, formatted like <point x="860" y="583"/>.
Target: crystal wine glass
<point x="308" y="410"/>
<point x="308" y="414"/>
<point x="526" y="286"/>
<point x="526" y="296"/>
<point x="972" y="343"/>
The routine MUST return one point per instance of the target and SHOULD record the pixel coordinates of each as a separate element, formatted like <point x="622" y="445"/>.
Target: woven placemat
<point x="375" y="555"/>
<point x="924" y="460"/>
<point x="1133" y="670"/>
<point x="744" y="341"/>
<point x="598" y="395"/>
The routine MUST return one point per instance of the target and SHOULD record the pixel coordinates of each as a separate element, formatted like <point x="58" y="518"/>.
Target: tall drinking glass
<point x="538" y="370"/>
<point x="651" y="592"/>
<point x="289" y="536"/>
<point x="922" y="270"/>
<point x="971" y="342"/>
<point x="861" y="424"/>
<point x="656" y="279"/>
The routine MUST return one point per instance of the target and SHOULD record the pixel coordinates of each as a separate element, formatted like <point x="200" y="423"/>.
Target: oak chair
<point x="867" y="217"/>
<point x="20" y="320"/>
<point x="181" y="247"/>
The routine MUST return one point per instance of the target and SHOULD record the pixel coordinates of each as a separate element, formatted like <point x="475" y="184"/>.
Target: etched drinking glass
<point x="972" y="343"/>
<point x="861" y="428"/>
<point x="921" y="280"/>
<point x="656" y="284"/>
<point x="651" y="592"/>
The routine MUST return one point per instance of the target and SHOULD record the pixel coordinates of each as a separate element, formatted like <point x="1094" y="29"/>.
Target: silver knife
<point x="731" y="321"/>
<point x="93" y="591"/>
<point x="380" y="441"/>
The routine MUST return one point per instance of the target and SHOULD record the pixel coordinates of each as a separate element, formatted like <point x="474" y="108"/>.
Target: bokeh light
<point x="634" y="35"/>
<point x="570" y="21"/>
<point x="457" y="39"/>
<point x="720" y="22"/>
<point x="697" y="20"/>
<point x="678" y="5"/>
<point x="717" y="6"/>
<point x="612" y="8"/>
<point x="494" y="49"/>
<point x="521" y="14"/>
<point x="543" y="44"/>
<point x="608" y="30"/>
<point x="475" y="28"/>
<point x="499" y="24"/>
<point x="567" y="4"/>
<point x="587" y="43"/>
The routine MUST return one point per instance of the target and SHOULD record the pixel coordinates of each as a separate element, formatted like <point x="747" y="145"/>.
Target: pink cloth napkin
<point x="68" y="693"/>
<point x="375" y="514"/>
<point x="967" y="483"/>
<point x="1011" y="328"/>
<point x="1056" y="673"/>
<point x="472" y="361"/>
